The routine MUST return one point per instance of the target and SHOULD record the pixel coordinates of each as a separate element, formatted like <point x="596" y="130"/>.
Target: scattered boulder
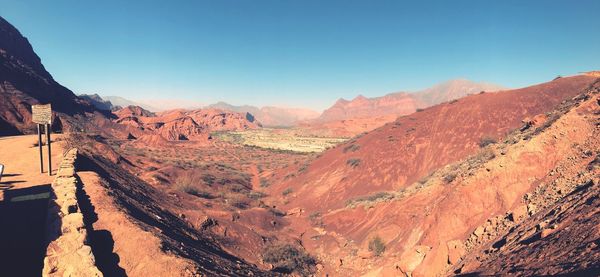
<point x="412" y="258"/>
<point x="456" y="250"/>
<point x="518" y="214"/>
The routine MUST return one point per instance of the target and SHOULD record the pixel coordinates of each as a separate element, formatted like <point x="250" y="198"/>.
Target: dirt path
<point x="24" y="195"/>
<point x="20" y="158"/>
<point x="255" y="177"/>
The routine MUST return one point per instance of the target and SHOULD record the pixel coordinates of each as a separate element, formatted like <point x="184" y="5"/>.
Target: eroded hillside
<point x="425" y="198"/>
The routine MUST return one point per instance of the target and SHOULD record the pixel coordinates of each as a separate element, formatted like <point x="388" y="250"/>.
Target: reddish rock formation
<point x="361" y="114"/>
<point x="181" y="124"/>
<point x="401" y="152"/>
<point x="24" y="81"/>
<point x="424" y="180"/>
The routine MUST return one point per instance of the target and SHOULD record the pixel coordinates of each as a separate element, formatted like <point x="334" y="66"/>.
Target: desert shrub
<point x="370" y="199"/>
<point x="351" y="148"/>
<point x="453" y="101"/>
<point x="288" y="259"/>
<point x="264" y="183"/>
<point x="449" y="177"/>
<point x="287" y="191"/>
<point x="315" y="219"/>
<point x="314" y="215"/>
<point x="485" y="141"/>
<point x="208" y="179"/>
<point x="236" y="187"/>
<point x="256" y="195"/>
<point x="549" y="121"/>
<point x="238" y="202"/>
<point x="376" y="246"/>
<point x="191" y="190"/>
<point x="353" y="162"/>
<point x="276" y="212"/>
<point x="302" y="168"/>
<point x="480" y="158"/>
<point x="420" y="110"/>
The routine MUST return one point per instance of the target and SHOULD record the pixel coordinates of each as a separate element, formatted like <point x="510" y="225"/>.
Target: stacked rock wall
<point x="68" y="253"/>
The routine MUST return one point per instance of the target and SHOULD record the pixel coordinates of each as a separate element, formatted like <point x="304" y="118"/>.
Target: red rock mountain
<point x="183" y="124"/>
<point x="24" y="81"/>
<point x="361" y="107"/>
<point x="402" y="103"/>
<point x="361" y="114"/>
<point x="390" y="169"/>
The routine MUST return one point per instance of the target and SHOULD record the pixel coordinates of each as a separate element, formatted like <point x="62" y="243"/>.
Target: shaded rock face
<point x="97" y="101"/>
<point x="183" y="128"/>
<point x="133" y="111"/>
<point x="24" y="81"/>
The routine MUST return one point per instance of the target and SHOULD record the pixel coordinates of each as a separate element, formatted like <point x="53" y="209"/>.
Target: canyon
<point x="463" y="178"/>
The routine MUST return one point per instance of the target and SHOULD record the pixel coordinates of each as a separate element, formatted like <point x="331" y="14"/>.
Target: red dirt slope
<point x="399" y="153"/>
<point x="361" y="114"/>
<point x="461" y="211"/>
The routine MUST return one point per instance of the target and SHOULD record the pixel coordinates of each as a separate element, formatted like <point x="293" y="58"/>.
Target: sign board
<point x="41" y="114"/>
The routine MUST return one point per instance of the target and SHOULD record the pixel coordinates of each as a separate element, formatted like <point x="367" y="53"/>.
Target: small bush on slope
<point x="370" y="199"/>
<point x="353" y="162"/>
<point x="376" y="246"/>
<point x="287" y="259"/>
<point x="485" y="141"/>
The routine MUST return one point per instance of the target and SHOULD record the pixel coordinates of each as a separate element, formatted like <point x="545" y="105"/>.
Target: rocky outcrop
<point x="133" y="111"/>
<point x="24" y="81"/>
<point x="97" y="101"/>
<point x="180" y="125"/>
<point x="68" y="253"/>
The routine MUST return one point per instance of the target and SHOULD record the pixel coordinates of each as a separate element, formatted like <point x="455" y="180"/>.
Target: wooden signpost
<point x="42" y="116"/>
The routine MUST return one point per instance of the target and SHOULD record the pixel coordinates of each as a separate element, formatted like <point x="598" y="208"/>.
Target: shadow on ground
<point x="101" y="241"/>
<point x="22" y="228"/>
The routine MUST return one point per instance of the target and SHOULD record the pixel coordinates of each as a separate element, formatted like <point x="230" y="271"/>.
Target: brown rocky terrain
<point x="496" y="183"/>
<point x="378" y="184"/>
<point x="400" y="153"/>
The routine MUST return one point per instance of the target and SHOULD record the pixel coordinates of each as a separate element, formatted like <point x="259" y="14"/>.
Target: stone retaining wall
<point x="68" y="253"/>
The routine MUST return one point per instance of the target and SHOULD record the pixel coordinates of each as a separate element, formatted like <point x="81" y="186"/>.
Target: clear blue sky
<point x="303" y="53"/>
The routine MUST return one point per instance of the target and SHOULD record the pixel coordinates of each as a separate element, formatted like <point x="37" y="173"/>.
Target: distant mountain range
<point x="268" y="116"/>
<point x="381" y="109"/>
<point x="402" y="103"/>
<point x="271" y="116"/>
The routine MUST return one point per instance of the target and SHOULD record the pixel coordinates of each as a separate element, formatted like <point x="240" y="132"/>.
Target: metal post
<point x="49" y="142"/>
<point x="39" y="129"/>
